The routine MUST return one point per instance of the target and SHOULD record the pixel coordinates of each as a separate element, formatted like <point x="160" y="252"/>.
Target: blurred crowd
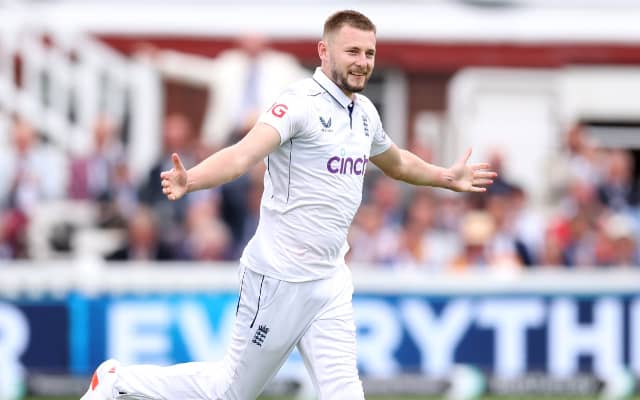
<point x="590" y="218"/>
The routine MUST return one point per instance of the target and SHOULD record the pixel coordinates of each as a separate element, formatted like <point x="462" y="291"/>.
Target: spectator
<point x="506" y="244"/>
<point x="206" y="236"/>
<point x="102" y="176"/>
<point x="528" y="226"/>
<point x="420" y="243"/>
<point x="177" y="137"/>
<point x="553" y="252"/>
<point x="581" y="208"/>
<point x="142" y="242"/>
<point x="31" y="172"/>
<point x="451" y="208"/>
<point x="92" y="175"/>
<point x="370" y="240"/>
<point x="501" y="184"/>
<point x="580" y="197"/>
<point x="581" y="250"/>
<point x="121" y="201"/>
<point x="386" y="194"/>
<point x="579" y="159"/>
<point x="480" y="248"/>
<point x="621" y="235"/>
<point x="210" y="241"/>
<point x="476" y="231"/>
<point x="617" y="190"/>
<point x="13" y="244"/>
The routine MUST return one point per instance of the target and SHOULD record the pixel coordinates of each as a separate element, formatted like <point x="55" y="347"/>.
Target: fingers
<point x="169" y="193"/>
<point x="166" y="182"/>
<point x="465" y="156"/>
<point x="478" y="166"/>
<point x="482" y="181"/>
<point x="484" y="174"/>
<point x="170" y="180"/>
<point x="167" y="188"/>
<point x="177" y="163"/>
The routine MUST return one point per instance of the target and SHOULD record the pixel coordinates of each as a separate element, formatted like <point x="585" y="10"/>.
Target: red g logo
<point x="279" y="110"/>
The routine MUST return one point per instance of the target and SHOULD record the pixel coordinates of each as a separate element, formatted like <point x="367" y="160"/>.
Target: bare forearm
<point x="217" y="169"/>
<point x="460" y="177"/>
<point x="418" y="172"/>
<point x="233" y="161"/>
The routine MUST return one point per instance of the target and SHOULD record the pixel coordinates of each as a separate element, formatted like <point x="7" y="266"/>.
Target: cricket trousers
<point x="272" y="318"/>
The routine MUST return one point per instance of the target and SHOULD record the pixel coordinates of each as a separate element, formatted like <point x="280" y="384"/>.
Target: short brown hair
<point x="352" y="18"/>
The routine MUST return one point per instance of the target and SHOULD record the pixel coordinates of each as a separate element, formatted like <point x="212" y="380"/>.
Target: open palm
<point x="469" y="178"/>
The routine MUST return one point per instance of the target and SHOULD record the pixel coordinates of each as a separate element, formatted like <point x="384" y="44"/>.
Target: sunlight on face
<point x="349" y="58"/>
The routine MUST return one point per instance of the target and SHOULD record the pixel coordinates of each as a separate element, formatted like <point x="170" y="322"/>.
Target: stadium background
<point x="529" y="290"/>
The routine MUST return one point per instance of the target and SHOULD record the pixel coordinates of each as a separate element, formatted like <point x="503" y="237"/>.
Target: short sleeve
<point x="381" y="141"/>
<point x="287" y="115"/>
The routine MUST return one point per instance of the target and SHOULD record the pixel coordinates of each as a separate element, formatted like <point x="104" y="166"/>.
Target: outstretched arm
<point x="460" y="177"/>
<point x="222" y="166"/>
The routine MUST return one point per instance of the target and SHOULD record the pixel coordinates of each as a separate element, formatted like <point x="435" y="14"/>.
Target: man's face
<point x="348" y="57"/>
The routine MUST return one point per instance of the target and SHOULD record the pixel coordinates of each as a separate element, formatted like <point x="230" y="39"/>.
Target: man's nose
<point x="361" y="60"/>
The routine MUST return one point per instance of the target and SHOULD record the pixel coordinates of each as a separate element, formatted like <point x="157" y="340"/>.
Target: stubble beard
<point x="343" y="82"/>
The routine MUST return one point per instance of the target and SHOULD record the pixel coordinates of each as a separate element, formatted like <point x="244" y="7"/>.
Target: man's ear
<point x="322" y="50"/>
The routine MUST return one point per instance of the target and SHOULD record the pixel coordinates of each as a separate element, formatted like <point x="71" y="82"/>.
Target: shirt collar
<point x="333" y="89"/>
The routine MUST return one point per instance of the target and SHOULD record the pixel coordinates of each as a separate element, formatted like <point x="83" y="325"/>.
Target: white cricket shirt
<point x="313" y="182"/>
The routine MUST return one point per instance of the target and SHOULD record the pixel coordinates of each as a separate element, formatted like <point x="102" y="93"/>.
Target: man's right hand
<point x="174" y="181"/>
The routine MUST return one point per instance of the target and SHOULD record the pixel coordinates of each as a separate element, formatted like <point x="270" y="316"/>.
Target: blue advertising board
<point x="35" y="334"/>
<point x="507" y="335"/>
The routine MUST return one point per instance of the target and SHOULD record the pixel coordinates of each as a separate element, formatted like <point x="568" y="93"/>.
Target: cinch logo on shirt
<point x="347" y="165"/>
